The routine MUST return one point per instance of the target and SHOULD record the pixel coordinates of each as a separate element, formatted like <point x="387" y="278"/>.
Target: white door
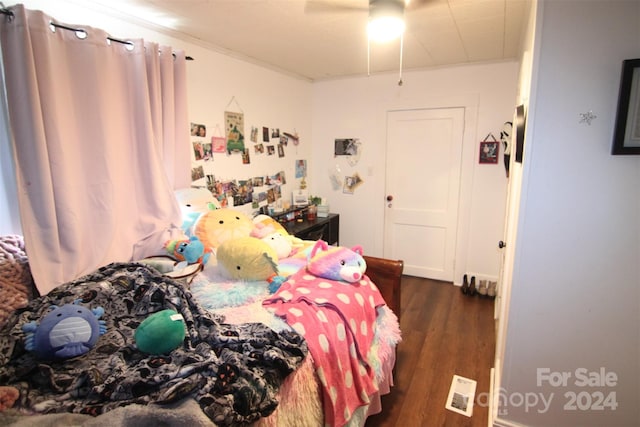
<point x="423" y="157"/>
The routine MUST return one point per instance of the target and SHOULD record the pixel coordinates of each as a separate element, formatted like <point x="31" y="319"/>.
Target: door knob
<point x="501" y="244"/>
<point x="389" y="198"/>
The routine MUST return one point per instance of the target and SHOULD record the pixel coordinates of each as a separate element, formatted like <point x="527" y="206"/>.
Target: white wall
<point x="575" y="296"/>
<point x="356" y="108"/>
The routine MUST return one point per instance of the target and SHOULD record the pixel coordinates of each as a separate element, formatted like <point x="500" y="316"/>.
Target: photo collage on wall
<point x="273" y="141"/>
<point x="351" y="149"/>
<point x="208" y="141"/>
<point x="258" y="191"/>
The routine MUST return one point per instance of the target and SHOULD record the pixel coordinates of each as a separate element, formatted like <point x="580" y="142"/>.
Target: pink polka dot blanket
<point x="338" y="321"/>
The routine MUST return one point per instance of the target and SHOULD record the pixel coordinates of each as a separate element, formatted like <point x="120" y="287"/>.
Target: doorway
<point x="423" y="168"/>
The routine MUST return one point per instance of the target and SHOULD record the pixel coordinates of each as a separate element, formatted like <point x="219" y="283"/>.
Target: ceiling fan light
<point x="385" y="28"/>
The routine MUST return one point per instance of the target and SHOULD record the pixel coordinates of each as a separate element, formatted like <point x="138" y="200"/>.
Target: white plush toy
<point x="275" y="235"/>
<point x="193" y="203"/>
<point x="281" y="244"/>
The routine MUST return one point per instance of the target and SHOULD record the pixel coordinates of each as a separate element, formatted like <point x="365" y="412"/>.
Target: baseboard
<point x="491" y="409"/>
<point x="494" y="419"/>
<point x="504" y="423"/>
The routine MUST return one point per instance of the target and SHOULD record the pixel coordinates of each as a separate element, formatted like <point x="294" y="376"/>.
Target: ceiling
<point x="325" y="39"/>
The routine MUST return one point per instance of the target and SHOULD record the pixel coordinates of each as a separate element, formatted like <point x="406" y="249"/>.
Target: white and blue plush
<point x="68" y="331"/>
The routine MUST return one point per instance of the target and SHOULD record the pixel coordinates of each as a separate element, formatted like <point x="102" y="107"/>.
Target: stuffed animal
<point x="192" y="251"/>
<point x="68" y="331"/>
<point x="336" y="262"/>
<point x="281" y="244"/>
<point x="272" y="232"/>
<point x="215" y="227"/>
<point x="194" y="202"/>
<point x="160" y="333"/>
<point x="247" y="258"/>
<point x="264" y="224"/>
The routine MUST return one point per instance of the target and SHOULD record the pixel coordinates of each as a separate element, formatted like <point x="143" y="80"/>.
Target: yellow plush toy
<point x="247" y="258"/>
<point x="216" y="227"/>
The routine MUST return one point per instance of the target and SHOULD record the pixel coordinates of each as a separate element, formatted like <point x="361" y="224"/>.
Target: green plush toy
<point x="160" y="333"/>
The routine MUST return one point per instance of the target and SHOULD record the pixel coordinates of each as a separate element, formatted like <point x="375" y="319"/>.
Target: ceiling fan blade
<point x="416" y="4"/>
<point x="319" y="6"/>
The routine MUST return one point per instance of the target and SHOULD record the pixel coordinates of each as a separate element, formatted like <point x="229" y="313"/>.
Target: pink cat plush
<point x="336" y="262"/>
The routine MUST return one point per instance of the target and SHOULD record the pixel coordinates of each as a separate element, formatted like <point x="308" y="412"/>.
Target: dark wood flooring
<point x="444" y="333"/>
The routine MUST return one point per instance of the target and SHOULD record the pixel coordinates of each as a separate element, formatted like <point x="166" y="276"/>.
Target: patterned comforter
<point x="233" y="371"/>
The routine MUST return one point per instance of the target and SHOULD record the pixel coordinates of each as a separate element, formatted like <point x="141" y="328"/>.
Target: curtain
<point x="100" y="138"/>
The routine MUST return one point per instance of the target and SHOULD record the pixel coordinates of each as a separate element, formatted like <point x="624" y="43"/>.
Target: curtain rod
<point x="10" y="15"/>
<point x="80" y="30"/>
<point x="127" y="42"/>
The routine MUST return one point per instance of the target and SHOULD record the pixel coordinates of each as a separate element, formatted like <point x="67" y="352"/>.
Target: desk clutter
<point x="297" y="213"/>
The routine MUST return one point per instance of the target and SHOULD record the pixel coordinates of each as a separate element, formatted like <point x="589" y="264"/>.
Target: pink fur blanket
<point x="338" y="320"/>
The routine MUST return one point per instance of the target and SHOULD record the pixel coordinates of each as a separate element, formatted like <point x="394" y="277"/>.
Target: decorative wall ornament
<point x="234" y="124"/>
<point x="489" y="148"/>
<point x="294" y="137"/>
<point x="587" y="117"/>
<point x="505" y="137"/>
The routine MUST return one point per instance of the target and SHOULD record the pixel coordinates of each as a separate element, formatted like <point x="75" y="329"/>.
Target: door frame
<point x="469" y="102"/>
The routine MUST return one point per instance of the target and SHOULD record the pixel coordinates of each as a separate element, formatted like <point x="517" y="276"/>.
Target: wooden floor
<point x="444" y="333"/>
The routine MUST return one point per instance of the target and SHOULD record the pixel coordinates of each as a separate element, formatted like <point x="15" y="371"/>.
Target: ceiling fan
<point x="358" y="5"/>
<point x="386" y="19"/>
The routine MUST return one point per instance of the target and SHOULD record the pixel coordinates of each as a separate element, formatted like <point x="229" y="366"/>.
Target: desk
<point x="327" y="229"/>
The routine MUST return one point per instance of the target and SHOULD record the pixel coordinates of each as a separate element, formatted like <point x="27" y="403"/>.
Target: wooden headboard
<point x="387" y="275"/>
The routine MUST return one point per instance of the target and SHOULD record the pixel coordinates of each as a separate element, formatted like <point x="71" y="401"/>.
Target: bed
<point x="240" y="364"/>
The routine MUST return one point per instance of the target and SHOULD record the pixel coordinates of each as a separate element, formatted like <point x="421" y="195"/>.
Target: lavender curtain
<point x="100" y="138"/>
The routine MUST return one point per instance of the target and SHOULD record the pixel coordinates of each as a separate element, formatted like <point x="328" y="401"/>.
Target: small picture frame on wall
<point x="626" y="138"/>
<point x="489" y="150"/>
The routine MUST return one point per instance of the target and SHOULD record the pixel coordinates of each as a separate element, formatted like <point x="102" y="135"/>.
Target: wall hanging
<point x="198" y="129"/>
<point x="489" y="148"/>
<point x="234" y="125"/>
<point x="346" y="147"/>
<point x="520" y="125"/>
<point x="505" y="138"/>
<point x="351" y="183"/>
<point x="218" y="141"/>
<point x="626" y="138"/>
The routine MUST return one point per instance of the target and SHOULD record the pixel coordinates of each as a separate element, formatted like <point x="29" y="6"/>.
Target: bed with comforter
<point x="316" y="352"/>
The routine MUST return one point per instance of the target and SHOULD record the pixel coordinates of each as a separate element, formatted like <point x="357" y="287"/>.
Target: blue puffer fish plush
<point x="192" y="250"/>
<point x="68" y="331"/>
